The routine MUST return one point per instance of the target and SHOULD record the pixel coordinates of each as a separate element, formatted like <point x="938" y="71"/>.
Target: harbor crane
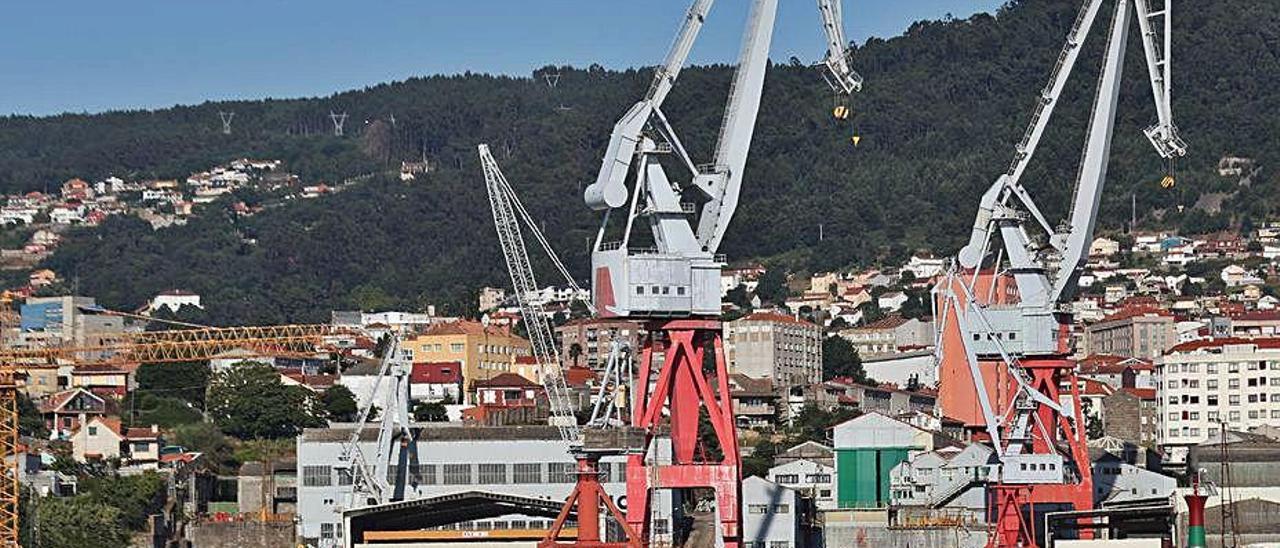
<point x="598" y="439"/>
<point x="669" y="278"/>
<point x="1005" y="324"/>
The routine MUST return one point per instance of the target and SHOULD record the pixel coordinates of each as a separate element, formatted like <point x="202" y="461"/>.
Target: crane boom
<point x="840" y="74"/>
<point x="541" y="336"/>
<point x="722" y="180"/>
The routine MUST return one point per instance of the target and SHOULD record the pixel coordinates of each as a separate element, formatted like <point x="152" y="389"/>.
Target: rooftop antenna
<point x="338" y="121"/>
<point x="226" y="121"/>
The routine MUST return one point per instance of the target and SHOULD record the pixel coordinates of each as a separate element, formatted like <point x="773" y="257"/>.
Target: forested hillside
<point x="941" y="110"/>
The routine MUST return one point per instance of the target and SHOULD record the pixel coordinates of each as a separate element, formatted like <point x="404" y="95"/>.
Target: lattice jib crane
<point x="1004" y="329"/>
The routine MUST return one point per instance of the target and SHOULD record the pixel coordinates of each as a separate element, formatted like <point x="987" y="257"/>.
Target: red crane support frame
<point x="683" y="390"/>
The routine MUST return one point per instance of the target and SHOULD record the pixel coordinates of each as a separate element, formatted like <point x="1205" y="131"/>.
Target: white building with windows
<point x="1202" y="385"/>
<point x="526" y="461"/>
<point x="811" y="479"/>
<point x="771" y="515"/>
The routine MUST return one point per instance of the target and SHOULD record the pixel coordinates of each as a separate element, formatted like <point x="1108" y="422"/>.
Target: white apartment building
<point x="1201" y="385"/>
<point x="773" y="346"/>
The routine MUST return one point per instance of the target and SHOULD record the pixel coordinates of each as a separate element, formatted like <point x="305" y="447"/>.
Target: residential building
<point x="771" y="516"/>
<point x="1134" y="331"/>
<point x="64" y="412"/>
<point x="1248" y="324"/>
<point x="1117" y="371"/>
<point x="1132" y="414"/>
<point x="808" y="451"/>
<point x="924" y="268"/>
<point x="102" y="379"/>
<point x="768" y="345"/>
<point x="813" y="480"/>
<point x="1205" y="385"/>
<point x="891" y="301"/>
<point x="755" y="402"/>
<point x="173" y="300"/>
<point x="914" y="367"/>
<point x="99" y="438"/>
<point x="508" y="399"/>
<point x="435" y="381"/>
<point x="890" y="334"/>
<point x="1103" y="247"/>
<point x="587" y="342"/>
<point x="484" y="352"/>
<point x="491" y="298"/>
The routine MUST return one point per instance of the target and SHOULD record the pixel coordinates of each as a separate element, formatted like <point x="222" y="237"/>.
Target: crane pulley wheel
<point x="841" y="112"/>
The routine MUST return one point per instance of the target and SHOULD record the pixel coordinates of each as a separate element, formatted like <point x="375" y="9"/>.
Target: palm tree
<point x="575" y="352"/>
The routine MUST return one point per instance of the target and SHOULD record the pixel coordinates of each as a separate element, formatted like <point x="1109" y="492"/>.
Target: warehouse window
<point x="316" y="476"/>
<point x="527" y="472"/>
<point x="423" y="474"/>
<point x="561" y="472"/>
<point x="492" y="473"/>
<point x="457" y="474"/>
<point x="345" y="477"/>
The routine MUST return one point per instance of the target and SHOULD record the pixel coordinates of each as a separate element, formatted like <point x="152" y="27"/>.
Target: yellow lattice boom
<point x="179" y="345"/>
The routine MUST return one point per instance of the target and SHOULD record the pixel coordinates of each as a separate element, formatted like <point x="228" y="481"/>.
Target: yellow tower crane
<point x="180" y="345"/>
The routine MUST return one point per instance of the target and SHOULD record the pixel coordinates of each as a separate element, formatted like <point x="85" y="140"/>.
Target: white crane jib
<point x="503" y="202"/>
<point x="1045" y="270"/>
<point x="1057" y="263"/>
<point x="840" y="74"/>
<point x="679" y="276"/>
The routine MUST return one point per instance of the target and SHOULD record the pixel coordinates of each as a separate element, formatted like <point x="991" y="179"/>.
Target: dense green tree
<point x="840" y="359"/>
<point x="30" y="421"/>
<point x="248" y="400"/>
<point x="207" y="439"/>
<point x="136" y="496"/>
<point x="772" y="286"/>
<point x="430" y="412"/>
<point x="77" y="522"/>
<point x="186" y="381"/>
<point x="339" y="404"/>
<point x="813" y="423"/>
<point x="761" y="458"/>
<point x="142" y="409"/>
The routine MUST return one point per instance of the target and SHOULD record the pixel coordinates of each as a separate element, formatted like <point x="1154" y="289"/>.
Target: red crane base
<point x="680" y="394"/>
<point x="588" y="498"/>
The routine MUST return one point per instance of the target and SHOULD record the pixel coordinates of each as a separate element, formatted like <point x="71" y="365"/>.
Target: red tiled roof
<point x="141" y="434"/>
<point x="1256" y="316"/>
<point x="463" y="327"/>
<point x="772" y="317"/>
<point x="579" y="376"/>
<point x="1137" y="312"/>
<point x="507" y="380"/>
<point x="1096" y="388"/>
<point x="1142" y="393"/>
<point x="436" y="373"/>
<point x="1107" y="364"/>
<point x="888" y="322"/>
<point x="1192" y="346"/>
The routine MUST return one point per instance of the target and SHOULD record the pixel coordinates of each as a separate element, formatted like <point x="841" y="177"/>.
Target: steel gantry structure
<point x="171" y="346"/>
<point x="674" y="285"/>
<point x="1004" y="335"/>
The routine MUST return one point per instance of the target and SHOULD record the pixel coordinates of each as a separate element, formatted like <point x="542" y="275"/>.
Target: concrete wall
<point x="243" y="535"/>
<point x="841" y="533"/>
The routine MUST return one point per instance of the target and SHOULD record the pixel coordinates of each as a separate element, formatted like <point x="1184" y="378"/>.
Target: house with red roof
<point x="1118" y="371"/>
<point x="436" y="381"/>
<point x="105" y="438"/>
<point x="64" y="412"/>
<point x="508" y="399"/>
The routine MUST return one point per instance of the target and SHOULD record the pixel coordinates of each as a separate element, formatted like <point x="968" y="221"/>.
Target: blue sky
<point x="90" y="56"/>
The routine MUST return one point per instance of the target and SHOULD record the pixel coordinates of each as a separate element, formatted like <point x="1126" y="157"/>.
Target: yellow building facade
<point x="484" y="352"/>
